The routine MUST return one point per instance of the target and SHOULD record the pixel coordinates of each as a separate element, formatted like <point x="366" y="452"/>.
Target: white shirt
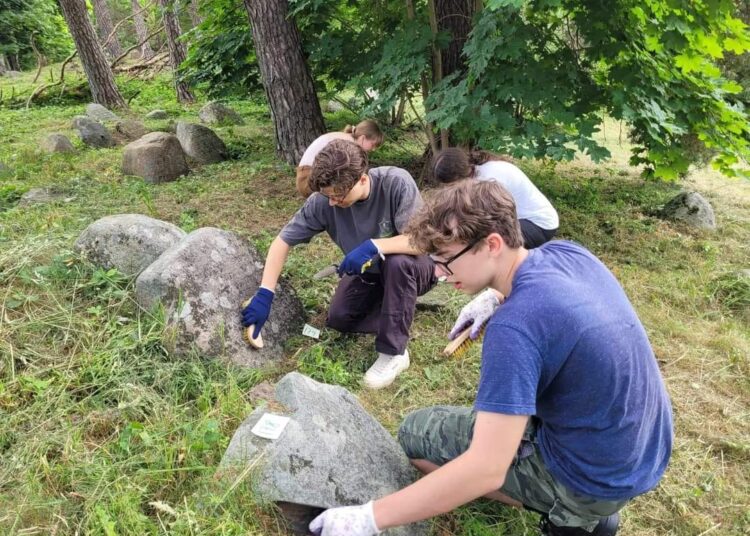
<point x="531" y="204"/>
<point x="320" y="142"/>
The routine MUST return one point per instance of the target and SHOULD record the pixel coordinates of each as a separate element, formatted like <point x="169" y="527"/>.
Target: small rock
<point x="12" y="74"/>
<point x="157" y="157"/>
<point x="215" y="113"/>
<point x="131" y="129"/>
<point x="201" y="143"/>
<point x="40" y="196"/>
<point x="4" y="169"/>
<point x="692" y="209"/>
<point x="57" y="143"/>
<point x="100" y="113"/>
<point x="157" y="114"/>
<point x="93" y="133"/>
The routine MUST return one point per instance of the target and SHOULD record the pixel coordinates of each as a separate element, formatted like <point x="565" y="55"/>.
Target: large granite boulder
<point x="202" y="283"/>
<point x="157" y="114"/>
<point x="92" y="132"/>
<point x="201" y="143"/>
<point x="98" y="112"/>
<point x="692" y="209"/>
<point x="157" y="157"/>
<point x="215" y="113"/>
<point x="57" y="143"/>
<point x="42" y="196"/>
<point x="331" y="453"/>
<point x="128" y="242"/>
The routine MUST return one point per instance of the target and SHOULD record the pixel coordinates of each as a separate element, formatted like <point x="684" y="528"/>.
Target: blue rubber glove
<point x="355" y="260"/>
<point x="256" y="313"/>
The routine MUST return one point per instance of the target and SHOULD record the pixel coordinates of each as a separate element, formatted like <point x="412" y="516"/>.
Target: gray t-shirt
<point x="394" y="196"/>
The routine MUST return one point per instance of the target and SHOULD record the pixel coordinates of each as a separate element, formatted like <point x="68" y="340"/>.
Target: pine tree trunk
<point x="177" y="52"/>
<point x="141" y="30"/>
<point x="101" y="80"/>
<point x="454" y="17"/>
<point x="13" y="62"/>
<point x="286" y="78"/>
<point x="105" y="26"/>
<point x="195" y="16"/>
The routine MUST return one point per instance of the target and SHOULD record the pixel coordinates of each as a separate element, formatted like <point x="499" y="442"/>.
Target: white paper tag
<point x="310" y="331"/>
<point x="270" y="426"/>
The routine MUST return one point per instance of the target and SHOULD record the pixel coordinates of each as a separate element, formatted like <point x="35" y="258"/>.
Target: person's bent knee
<point x="342" y="321"/>
<point x="437" y="434"/>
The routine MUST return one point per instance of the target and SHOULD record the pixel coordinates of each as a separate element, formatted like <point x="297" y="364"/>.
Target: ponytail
<point x="367" y="128"/>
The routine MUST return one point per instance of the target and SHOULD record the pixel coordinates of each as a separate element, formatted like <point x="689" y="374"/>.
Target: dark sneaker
<point x="607" y="526"/>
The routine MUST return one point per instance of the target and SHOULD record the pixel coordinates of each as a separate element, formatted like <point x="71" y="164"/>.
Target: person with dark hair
<point x="366" y="134"/>
<point x="571" y="418"/>
<point x="364" y="211"/>
<point x="539" y="219"/>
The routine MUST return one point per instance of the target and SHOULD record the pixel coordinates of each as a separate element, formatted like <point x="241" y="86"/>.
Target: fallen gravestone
<point x="130" y="129"/>
<point x="100" y="113"/>
<point x="92" y="132"/>
<point x="215" y="113"/>
<point x="157" y="157"/>
<point x="57" y="143"/>
<point x="692" y="209"/>
<point x="201" y="143"/>
<point x="202" y="283"/>
<point x="41" y="196"/>
<point x="127" y="242"/>
<point x="157" y="114"/>
<point x="330" y="453"/>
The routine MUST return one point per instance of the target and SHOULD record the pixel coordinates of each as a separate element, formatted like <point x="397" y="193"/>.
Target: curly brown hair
<point x="340" y="164"/>
<point x="465" y="212"/>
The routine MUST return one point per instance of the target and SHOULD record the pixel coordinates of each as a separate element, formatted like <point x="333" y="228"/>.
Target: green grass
<point x="102" y="432"/>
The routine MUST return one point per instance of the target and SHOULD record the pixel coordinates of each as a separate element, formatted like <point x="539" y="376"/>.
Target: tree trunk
<point x="195" y="16"/>
<point x="286" y="78"/>
<point x="13" y="62"/>
<point x="101" y="80"/>
<point x="456" y="18"/>
<point x="177" y="52"/>
<point x="141" y="30"/>
<point x="105" y="26"/>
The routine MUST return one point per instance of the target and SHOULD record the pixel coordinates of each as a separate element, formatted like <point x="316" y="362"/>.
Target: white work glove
<point x="475" y="314"/>
<point x="346" y="521"/>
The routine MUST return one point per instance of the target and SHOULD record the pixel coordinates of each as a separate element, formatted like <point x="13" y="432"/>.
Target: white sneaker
<point x="385" y="369"/>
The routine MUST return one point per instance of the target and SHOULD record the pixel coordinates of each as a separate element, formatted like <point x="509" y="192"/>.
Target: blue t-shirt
<point x="568" y="347"/>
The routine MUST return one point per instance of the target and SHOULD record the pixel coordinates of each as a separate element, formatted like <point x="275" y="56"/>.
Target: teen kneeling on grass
<point x="571" y="418"/>
<point x="364" y="212"/>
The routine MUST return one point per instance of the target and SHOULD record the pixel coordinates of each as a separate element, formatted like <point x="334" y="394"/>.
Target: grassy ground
<point x="102" y="433"/>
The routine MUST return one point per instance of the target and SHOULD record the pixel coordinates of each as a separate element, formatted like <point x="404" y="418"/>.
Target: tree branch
<point x="121" y="56"/>
<point x="41" y="88"/>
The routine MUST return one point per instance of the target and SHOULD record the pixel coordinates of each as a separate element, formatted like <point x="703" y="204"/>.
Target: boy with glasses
<point x="365" y="213"/>
<point x="571" y="417"/>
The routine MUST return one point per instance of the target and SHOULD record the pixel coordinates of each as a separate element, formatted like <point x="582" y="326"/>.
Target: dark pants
<point x="383" y="303"/>
<point x="533" y="235"/>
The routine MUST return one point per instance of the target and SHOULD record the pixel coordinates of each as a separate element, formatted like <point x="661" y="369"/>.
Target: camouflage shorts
<point x="441" y="433"/>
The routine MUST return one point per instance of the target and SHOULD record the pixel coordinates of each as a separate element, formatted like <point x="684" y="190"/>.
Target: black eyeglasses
<point x="444" y="264"/>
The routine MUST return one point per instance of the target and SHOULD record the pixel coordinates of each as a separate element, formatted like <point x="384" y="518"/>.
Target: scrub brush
<point x="461" y="344"/>
<point x="247" y="332"/>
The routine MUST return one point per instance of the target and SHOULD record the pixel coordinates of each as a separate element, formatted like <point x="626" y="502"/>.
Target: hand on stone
<point x="475" y="314"/>
<point x="257" y="311"/>
<point x="346" y="521"/>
